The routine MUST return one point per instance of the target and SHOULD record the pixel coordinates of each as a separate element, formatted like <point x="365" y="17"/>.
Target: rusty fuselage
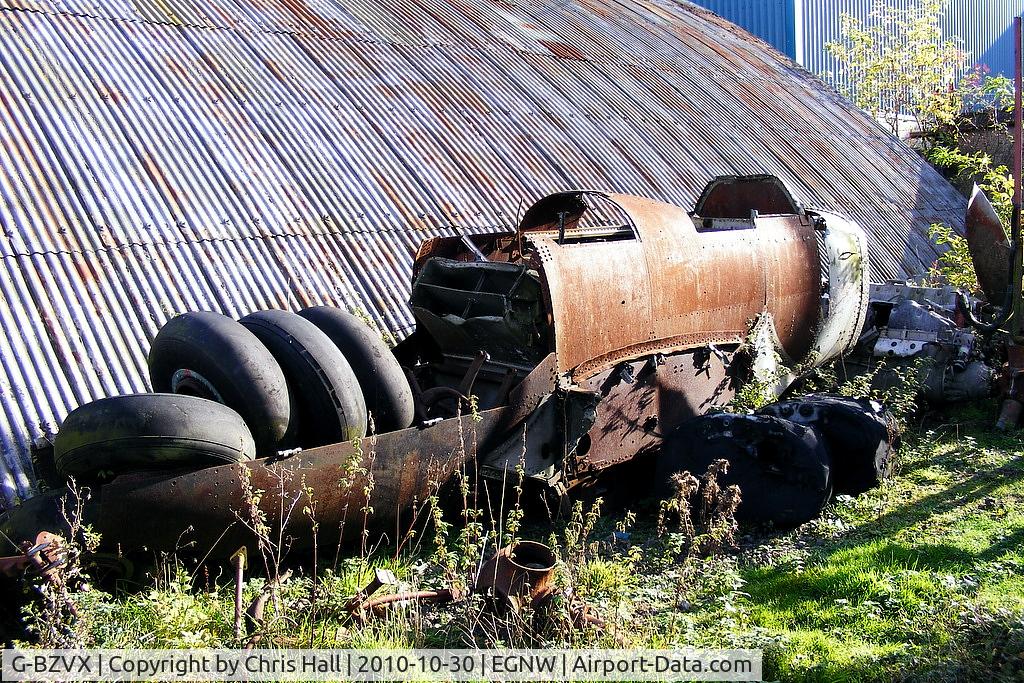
<point x="562" y="349"/>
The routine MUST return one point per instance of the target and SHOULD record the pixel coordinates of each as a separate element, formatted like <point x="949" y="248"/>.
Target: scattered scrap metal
<point x="922" y="330"/>
<point x="518" y="580"/>
<point x="43" y="557"/>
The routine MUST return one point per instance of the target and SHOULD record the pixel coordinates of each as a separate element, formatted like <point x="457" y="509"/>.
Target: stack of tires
<point x="229" y="391"/>
<point x="789" y="457"/>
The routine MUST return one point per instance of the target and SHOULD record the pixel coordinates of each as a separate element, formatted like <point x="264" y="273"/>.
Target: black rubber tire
<point x="326" y="392"/>
<point x="860" y="435"/>
<point x="209" y="355"/>
<point x="149" y="431"/>
<point x="782" y="468"/>
<point x="381" y="378"/>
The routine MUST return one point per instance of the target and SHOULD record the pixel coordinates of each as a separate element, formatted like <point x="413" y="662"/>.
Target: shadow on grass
<point x="1014" y="541"/>
<point x="842" y="605"/>
<point x="863" y="547"/>
<point x="970" y="491"/>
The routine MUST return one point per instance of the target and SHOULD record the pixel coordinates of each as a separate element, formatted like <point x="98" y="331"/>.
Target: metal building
<point x="801" y="29"/>
<point x="160" y="156"/>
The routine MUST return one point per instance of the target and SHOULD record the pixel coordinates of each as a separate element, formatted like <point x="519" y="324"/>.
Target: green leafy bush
<point x="898" y="61"/>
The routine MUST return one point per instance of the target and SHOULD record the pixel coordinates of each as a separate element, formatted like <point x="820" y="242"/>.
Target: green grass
<point x="904" y="581"/>
<point x="920" y="579"/>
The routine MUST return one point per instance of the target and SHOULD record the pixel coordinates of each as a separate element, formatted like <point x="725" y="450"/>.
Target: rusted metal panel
<point x="665" y="288"/>
<point x="634" y="416"/>
<point x="990" y="249"/>
<point x="233" y="155"/>
<point x="586" y="326"/>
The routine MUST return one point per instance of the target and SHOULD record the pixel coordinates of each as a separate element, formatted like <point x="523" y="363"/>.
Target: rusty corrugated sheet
<point x="166" y="155"/>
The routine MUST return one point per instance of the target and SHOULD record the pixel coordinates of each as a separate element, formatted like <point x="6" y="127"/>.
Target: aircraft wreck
<point x="565" y="341"/>
<point x="235" y="156"/>
<point x="560" y="350"/>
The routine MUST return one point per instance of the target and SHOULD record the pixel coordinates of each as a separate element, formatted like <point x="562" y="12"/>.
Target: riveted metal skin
<point x="677" y="286"/>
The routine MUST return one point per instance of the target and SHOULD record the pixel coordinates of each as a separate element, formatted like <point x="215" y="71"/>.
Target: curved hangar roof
<point x="166" y="155"/>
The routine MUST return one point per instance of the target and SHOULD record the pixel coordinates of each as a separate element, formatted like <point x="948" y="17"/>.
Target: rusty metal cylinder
<point x="520" y="573"/>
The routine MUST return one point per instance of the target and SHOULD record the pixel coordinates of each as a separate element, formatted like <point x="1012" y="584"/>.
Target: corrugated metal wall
<point x="801" y="29"/>
<point x="984" y="26"/>
<point x="773" y="21"/>
<point x="160" y="156"/>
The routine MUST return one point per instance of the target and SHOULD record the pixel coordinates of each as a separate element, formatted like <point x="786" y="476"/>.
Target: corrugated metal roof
<point x="168" y="155"/>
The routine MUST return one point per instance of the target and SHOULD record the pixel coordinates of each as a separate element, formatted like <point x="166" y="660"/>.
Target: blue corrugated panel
<point x="984" y="26"/>
<point x="801" y="29"/>
<point x="773" y="21"/>
<point x="159" y="156"/>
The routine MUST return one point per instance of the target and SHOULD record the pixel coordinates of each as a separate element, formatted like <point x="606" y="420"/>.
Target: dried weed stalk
<point x="701" y="511"/>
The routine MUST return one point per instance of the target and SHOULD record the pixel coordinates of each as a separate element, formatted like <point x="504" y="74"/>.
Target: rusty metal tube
<point x="1017" y="255"/>
<point x="519" y="573"/>
<point x="1018" y="115"/>
<point x="210" y="512"/>
<point x="441" y="596"/>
